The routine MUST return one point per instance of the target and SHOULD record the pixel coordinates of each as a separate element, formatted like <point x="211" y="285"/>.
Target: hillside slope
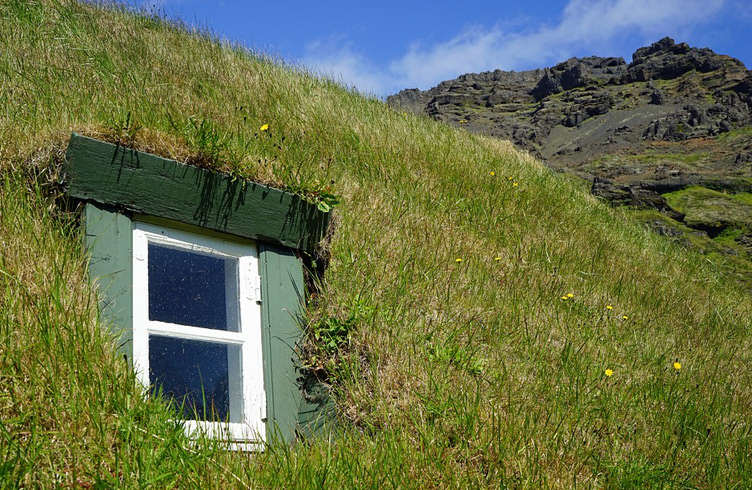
<point x="504" y="329"/>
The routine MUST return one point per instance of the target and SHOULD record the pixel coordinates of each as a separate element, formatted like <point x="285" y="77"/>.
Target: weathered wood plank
<point x="109" y="242"/>
<point x="151" y="185"/>
<point x="283" y="290"/>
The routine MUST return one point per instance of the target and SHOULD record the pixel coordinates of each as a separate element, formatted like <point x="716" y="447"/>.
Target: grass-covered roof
<point x="476" y="298"/>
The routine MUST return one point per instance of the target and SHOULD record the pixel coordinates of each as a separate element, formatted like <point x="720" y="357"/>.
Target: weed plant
<point x="512" y="332"/>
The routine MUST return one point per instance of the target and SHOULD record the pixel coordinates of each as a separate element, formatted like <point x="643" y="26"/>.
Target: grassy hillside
<point x="486" y="299"/>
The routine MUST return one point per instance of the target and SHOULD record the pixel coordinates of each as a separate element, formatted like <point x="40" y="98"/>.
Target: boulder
<point x="623" y="195"/>
<point x="667" y="60"/>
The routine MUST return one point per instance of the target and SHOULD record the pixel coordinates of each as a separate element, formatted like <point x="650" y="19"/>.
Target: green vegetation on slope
<point x="465" y="364"/>
<point x="711" y="210"/>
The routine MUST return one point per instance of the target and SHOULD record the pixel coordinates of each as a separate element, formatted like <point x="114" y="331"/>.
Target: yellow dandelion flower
<point x="625" y="317"/>
<point x="265" y="127"/>
<point x="497" y="259"/>
<point x="564" y="298"/>
<point x="462" y="121"/>
<point x="493" y="173"/>
<point x="510" y="178"/>
<point x="609" y="372"/>
<point x="677" y="366"/>
<point x="458" y="260"/>
<point x="609" y="307"/>
<point x="515" y="184"/>
<point x="570" y="295"/>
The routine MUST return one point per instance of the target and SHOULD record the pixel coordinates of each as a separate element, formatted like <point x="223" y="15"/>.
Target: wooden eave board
<point x="147" y="184"/>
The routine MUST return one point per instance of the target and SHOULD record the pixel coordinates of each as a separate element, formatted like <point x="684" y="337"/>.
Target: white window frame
<point x="250" y="433"/>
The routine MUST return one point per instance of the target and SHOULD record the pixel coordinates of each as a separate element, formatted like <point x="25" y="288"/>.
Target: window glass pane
<point x="203" y="377"/>
<point x="189" y="288"/>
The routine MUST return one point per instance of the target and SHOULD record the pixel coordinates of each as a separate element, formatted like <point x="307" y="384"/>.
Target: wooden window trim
<point x="253" y="394"/>
<point x="120" y="186"/>
<point x="146" y="184"/>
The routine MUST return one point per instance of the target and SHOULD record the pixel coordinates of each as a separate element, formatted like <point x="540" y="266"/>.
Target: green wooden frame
<point x="117" y="183"/>
<point x="109" y="241"/>
<point x="147" y="184"/>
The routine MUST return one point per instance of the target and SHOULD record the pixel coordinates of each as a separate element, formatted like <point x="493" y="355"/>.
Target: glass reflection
<point x="188" y="288"/>
<point x="198" y="376"/>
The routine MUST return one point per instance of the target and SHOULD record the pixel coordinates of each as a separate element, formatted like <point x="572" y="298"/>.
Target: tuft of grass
<point x="454" y="374"/>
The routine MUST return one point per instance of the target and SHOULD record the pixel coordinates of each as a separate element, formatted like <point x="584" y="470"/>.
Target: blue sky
<point x="383" y="47"/>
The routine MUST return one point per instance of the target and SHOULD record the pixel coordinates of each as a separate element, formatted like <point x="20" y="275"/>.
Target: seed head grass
<point x="459" y="371"/>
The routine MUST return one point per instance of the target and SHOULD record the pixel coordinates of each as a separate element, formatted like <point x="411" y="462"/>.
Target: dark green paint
<point x="109" y="241"/>
<point x="282" y="293"/>
<point x="147" y="184"/>
<point x="316" y="411"/>
<point x="294" y="405"/>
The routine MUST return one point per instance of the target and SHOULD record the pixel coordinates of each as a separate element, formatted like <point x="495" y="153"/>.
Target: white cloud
<point x="339" y="61"/>
<point x="594" y="25"/>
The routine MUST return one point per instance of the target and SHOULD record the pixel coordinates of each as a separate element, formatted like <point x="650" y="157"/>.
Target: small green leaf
<point x="323" y="207"/>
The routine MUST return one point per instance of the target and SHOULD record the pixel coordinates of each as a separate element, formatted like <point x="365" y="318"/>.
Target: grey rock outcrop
<point x="675" y="116"/>
<point x="700" y="94"/>
<point x="667" y="60"/>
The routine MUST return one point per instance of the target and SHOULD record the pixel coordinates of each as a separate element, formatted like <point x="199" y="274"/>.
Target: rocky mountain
<point x="671" y="131"/>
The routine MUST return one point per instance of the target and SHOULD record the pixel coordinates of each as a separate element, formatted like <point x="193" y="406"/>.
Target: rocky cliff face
<point x="669" y="92"/>
<point x="673" y="118"/>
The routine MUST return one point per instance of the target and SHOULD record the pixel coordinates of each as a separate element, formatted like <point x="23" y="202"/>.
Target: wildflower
<point x="458" y="260"/>
<point x="570" y="295"/>
<point x="625" y="317"/>
<point x="677" y="366"/>
<point x="265" y="127"/>
<point x="493" y="173"/>
<point x="564" y="298"/>
<point x="515" y="184"/>
<point x="462" y="121"/>
<point x="609" y="307"/>
<point x="510" y="178"/>
<point x="609" y="372"/>
<point x="497" y="259"/>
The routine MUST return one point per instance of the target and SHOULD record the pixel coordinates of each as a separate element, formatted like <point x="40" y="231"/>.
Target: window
<point x="179" y="256"/>
<point x="197" y="328"/>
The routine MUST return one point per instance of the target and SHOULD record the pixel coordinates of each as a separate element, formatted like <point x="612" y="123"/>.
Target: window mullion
<point x="195" y="333"/>
<point x="140" y="307"/>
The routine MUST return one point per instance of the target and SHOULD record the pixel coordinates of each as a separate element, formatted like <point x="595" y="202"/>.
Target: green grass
<point x="729" y="236"/>
<point x="722" y="249"/>
<point x="691" y="158"/>
<point x="648" y="161"/>
<point x="711" y="210"/>
<point x="745" y="197"/>
<point x="470" y="374"/>
<point x="735" y="133"/>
